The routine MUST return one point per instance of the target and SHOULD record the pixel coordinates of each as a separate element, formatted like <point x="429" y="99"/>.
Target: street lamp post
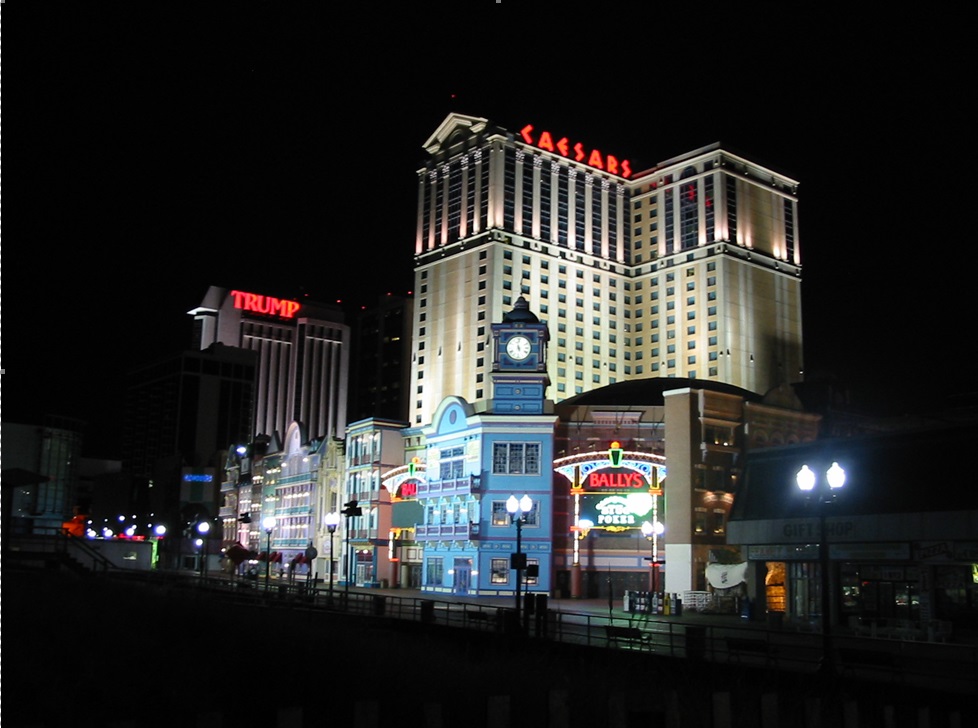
<point x="652" y="531"/>
<point x="350" y="510"/>
<point x="517" y="510"/>
<point x="203" y="528"/>
<point x="821" y="493"/>
<point x="268" y="523"/>
<point x="332" y="521"/>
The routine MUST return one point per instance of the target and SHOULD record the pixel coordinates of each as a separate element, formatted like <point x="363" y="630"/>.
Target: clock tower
<point x="519" y="362"/>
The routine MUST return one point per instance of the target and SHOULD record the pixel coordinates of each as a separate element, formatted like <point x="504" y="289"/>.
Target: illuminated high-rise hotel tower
<point x="689" y="269"/>
<point x="303" y="353"/>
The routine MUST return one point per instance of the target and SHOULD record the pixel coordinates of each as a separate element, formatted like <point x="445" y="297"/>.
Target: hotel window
<point x="595" y="378"/>
<point x="671" y="363"/>
<point x="579" y="376"/>
<point x="690" y="315"/>
<point x="691" y="359"/>
<point x="690" y="300"/>
<point x="561" y="328"/>
<point x="691" y="330"/>
<point x="711" y="311"/>
<point x="516" y="458"/>
<point x="499" y="571"/>
<point x="507" y="285"/>
<point x="713" y="371"/>
<point x="711" y="296"/>
<point x="482" y="285"/>
<point x="699" y="521"/>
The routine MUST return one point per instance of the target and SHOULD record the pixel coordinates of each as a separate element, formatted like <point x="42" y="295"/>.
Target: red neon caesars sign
<point x="280" y="307"/>
<point x="578" y="152"/>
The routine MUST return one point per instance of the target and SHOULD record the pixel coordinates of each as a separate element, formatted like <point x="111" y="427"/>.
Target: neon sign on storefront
<point x="577" y="151"/>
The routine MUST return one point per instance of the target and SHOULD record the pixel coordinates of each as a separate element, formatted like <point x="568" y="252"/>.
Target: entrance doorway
<point x="462" y="576"/>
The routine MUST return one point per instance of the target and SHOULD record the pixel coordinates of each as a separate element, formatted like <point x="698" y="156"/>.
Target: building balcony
<point x="446" y="532"/>
<point x="457" y="486"/>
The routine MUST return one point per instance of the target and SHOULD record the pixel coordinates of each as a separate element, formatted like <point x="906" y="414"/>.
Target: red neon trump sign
<point x="577" y="151"/>
<point x="281" y="307"/>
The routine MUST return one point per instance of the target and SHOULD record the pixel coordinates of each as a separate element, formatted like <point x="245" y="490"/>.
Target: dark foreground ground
<point x="93" y="652"/>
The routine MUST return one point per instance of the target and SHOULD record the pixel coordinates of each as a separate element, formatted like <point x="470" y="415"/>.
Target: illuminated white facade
<point x="690" y="269"/>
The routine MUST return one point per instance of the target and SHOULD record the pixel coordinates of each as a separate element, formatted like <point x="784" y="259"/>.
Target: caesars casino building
<point x="689" y="269"/>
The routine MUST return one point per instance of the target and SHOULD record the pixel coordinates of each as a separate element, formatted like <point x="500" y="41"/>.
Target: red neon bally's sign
<point x="615" y="479"/>
<point x="577" y="151"/>
<point x="281" y="307"/>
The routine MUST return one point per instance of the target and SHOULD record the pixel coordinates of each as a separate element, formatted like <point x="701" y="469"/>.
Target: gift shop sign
<point x="576" y="151"/>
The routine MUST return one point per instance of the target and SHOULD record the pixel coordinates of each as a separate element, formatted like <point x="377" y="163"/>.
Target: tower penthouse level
<point x="690" y="269"/>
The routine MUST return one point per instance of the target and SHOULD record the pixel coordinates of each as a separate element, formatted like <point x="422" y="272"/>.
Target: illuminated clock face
<point x="518" y="348"/>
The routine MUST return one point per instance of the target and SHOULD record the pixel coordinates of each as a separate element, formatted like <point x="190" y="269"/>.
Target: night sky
<point x="159" y="151"/>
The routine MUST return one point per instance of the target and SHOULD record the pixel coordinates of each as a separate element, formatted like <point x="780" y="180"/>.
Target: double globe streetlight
<point x="652" y="530"/>
<point x="823" y="492"/>
<point x="518" y="509"/>
<point x="203" y="528"/>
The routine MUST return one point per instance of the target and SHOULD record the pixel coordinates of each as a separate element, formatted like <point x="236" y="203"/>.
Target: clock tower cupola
<point x="519" y="362"/>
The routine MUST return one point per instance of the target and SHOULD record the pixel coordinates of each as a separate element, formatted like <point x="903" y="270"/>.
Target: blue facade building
<point x="479" y="456"/>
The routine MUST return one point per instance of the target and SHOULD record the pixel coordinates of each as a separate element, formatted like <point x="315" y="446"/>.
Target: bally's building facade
<point x="690" y="269"/>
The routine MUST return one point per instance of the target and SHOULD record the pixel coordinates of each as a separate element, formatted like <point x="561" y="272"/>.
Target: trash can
<point x="695" y="643"/>
<point x="540" y="614"/>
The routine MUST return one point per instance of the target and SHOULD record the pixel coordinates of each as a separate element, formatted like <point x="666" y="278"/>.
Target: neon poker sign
<point x="576" y="151"/>
<point x="268" y="305"/>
